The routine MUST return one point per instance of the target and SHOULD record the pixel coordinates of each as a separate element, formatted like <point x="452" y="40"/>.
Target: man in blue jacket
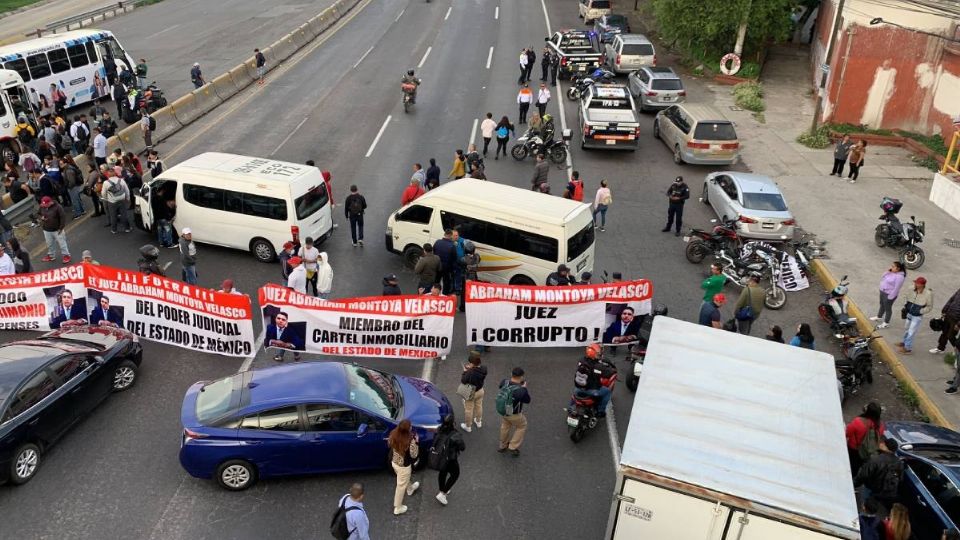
<point x="104" y="316"/>
<point x="280" y="335"/>
<point x="70" y="312"/>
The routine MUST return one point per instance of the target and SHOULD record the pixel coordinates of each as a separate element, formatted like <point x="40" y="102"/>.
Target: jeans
<point x="674" y="212"/>
<point x="448" y="475"/>
<point x="604" y="394"/>
<point x="190" y="274"/>
<point x="913" y="325"/>
<point x="886" y="307"/>
<point x="60" y="238"/>
<point x="486" y="144"/>
<point x="838" y="166"/>
<point x="602" y="210"/>
<point x="356" y="227"/>
<point x="501" y="145"/>
<point x="164" y="233"/>
<point x="75" y="200"/>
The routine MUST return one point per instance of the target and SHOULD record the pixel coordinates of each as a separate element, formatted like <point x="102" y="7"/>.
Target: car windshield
<point x="616" y="20"/>
<point x="374" y="391"/>
<point x="715" y="131"/>
<point x="637" y="49"/>
<point x="770" y="202"/>
<point x="667" y="84"/>
<point x="311" y="201"/>
<point x="215" y="398"/>
<point x="601" y="4"/>
<point x="946" y="456"/>
<point x="580" y="242"/>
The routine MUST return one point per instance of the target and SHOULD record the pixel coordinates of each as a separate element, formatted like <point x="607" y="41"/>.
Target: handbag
<point x="466" y="391"/>
<point x="936" y="324"/>
<point x="903" y="312"/>
<point x="746" y="312"/>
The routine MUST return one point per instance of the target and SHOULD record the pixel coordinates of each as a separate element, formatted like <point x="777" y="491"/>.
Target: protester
<point x="449" y="441"/>
<point x="871" y="526"/>
<point x="473" y="375"/>
<point x="353" y="208"/>
<point x="412" y="192"/>
<point x="227" y="287"/>
<point x="87" y="257"/>
<point x="561" y="277"/>
<point x="99" y="146"/>
<point x="310" y="256"/>
<point x="541" y="172"/>
<point x="445" y="249"/>
<point x="950" y="313"/>
<point x="890" y="285"/>
<point x="881" y="474"/>
<point x="433" y="175"/>
<point x="574" y="189"/>
<point x="188" y="256"/>
<point x="324" y="277"/>
<point x="115" y="193"/>
<point x="470" y="265"/>
<point x="297" y="279"/>
<point x="749" y="305"/>
<point x="7" y="267"/>
<point x="510" y="400"/>
<point x="21" y="258"/>
<point x="863" y="435"/>
<point x="284" y="256"/>
<point x="803" y="337"/>
<point x="897" y="524"/>
<point x="601" y="202"/>
<point x="775" y="334"/>
<point x="427" y="269"/>
<point x="53" y="219"/>
<point x="390" y="286"/>
<point x="710" y="311"/>
<point x="404" y="450"/>
<point x="154" y="164"/>
<point x="714" y="282"/>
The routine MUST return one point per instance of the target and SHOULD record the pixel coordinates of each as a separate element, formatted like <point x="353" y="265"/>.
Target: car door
<point x="40" y="408"/>
<point x="719" y="198"/>
<point x="668" y="127"/>
<point x="341" y="444"/>
<point x="273" y="439"/>
<point x="84" y="387"/>
<point x="931" y="499"/>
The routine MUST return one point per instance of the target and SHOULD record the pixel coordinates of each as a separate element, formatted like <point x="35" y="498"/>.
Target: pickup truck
<point x="579" y="51"/>
<point x="608" y="118"/>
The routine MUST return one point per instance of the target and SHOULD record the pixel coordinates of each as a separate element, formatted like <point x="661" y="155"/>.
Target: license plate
<point x="582" y="68"/>
<point x="667" y="98"/>
<point x="572" y="421"/>
<point x="686" y="239"/>
<point x="611" y="141"/>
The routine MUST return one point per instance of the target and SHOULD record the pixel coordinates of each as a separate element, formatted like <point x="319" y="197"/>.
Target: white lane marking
<point x="400" y="15"/>
<point x="559" y="93"/>
<point x="379" y="134"/>
<point x="424" y="59"/>
<point x="489" y="57"/>
<point x="473" y="130"/>
<point x="612" y="434"/>
<point x="362" y="57"/>
<point x="427" y="369"/>
<point x="256" y="347"/>
<point x="447" y="16"/>
<point x="496" y="12"/>
<point x="287" y="138"/>
<point x="167" y="29"/>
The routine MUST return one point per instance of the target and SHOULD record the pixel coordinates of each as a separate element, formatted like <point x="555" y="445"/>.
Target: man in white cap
<point x="188" y="256"/>
<point x="87" y="257"/>
<point x="196" y="76"/>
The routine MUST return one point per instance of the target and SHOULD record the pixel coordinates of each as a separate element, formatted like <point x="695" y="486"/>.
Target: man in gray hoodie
<point x="188" y="256"/>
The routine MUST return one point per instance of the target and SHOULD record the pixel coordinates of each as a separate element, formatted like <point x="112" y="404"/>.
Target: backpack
<point x="29" y="164"/>
<point x="70" y="176"/>
<point x="471" y="263"/>
<point x="356" y="205"/>
<point x="502" y="132"/>
<point x="24" y="136"/>
<point x="890" y="485"/>
<point x="66" y="143"/>
<point x="152" y="123"/>
<point x="577" y="190"/>
<point x="505" y="399"/>
<point x="439" y="452"/>
<point x="115" y="188"/>
<point x="870" y="445"/>
<point x="338" y="525"/>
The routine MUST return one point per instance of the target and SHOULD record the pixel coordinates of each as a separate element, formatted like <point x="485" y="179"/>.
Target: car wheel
<point x="236" y="475"/>
<point x="263" y="250"/>
<point x="24" y="465"/>
<point x="705" y="199"/>
<point x="656" y="129"/>
<point x="411" y="256"/>
<point x="521" y="280"/>
<point x="677" y="156"/>
<point x="124" y="376"/>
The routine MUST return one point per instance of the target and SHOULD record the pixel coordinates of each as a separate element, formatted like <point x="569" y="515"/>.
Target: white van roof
<point x="744" y="416"/>
<point x="7" y="52"/>
<point x="503" y="199"/>
<point x="247" y="169"/>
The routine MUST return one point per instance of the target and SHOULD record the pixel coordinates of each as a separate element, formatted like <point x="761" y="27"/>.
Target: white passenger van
<point x="240" y="202"/>
<point x="521" y="235"/>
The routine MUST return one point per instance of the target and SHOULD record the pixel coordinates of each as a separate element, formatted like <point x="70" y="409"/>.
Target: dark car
<point x="309" y="418"/>
<point x="50" y="383"/>
<point x="609" y="25"/>
<point x="931" y="481"/>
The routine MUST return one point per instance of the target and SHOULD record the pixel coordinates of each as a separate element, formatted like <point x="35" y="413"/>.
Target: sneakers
<point x="354" y="244"/>
<point x="360" y="242"/>
<point x="882" y="325"/>
<point x="397" y="510"/>
<point x="66" y="259"/>
<point x="665" y="230"/>
<point x="932" y="351"/>
<point x="515" y="453"/>
<point x="874" y="319"/>
<point x="48" y="258"/>
<point x="478" y="423"/>
<point x="951" y="390"/>
<point x="603" y="229"/>
<point x="442" y="498"/>
<point x="278" y="358"/>
<point x="465" y="427"/>
<point x="412" y="488"/>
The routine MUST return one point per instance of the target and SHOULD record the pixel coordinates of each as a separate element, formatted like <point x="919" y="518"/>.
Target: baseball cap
<point x="678" y="179"/>
<point x="288" y="245"/>
<point x="46" y="201"/>
<point x="390" y="277"/>
<point x="295" y="261"/>
<point x="86" y="253"/>
<point x="719" y="298"/>
<point x="186" y="230"/>
<point x="921" y="280"/>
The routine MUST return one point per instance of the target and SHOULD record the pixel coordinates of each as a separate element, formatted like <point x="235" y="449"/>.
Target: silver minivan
<point x="656" y="87"/>
<point x="697" y="134"/>
<point x="627" y="52"/>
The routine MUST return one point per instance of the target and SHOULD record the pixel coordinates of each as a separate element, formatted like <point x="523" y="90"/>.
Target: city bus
<point x="81" y="63"/>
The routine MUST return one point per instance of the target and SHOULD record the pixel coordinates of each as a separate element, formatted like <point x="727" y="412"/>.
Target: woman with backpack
<point x="445" y="454"/>
<point x="404" y="450"/>
<point x="504" y="129"/>
<point x="863" y="436"/>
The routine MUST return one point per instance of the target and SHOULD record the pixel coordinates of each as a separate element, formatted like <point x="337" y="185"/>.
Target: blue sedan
<point x="309" y="418"/>
<point x="931" y="482"/>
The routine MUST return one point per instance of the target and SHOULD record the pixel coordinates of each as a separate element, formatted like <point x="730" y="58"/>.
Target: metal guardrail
<point x="952" y="162"/>
<point x="89" y="16"/>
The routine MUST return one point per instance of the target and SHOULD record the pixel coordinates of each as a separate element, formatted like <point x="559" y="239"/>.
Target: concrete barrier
<point x="113" y="143"/>
<point x="883" y="349"/>
<point x="131" y="139"/>
<point x="167" y="124"/>
<point x="242" y="75"/>
<point x="195" y="104"/>
<point x="322" y="21"/>
<point x="282" y="49"/>
<point x="224" y="86"/>
<point x="301" y="37"/>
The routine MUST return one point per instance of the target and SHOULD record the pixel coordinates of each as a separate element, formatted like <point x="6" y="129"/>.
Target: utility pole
<point x="838" y="16"/>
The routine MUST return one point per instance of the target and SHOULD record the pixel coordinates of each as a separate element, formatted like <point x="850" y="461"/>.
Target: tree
<point x="710" y="26"/>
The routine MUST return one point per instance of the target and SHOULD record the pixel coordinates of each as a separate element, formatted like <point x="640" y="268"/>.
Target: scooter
<point x="583" y="414"/>
<point x="638" y="352"/>
<point x="903" y="236"/>
<point x="530" y="144"/>
<point x="408" y="90"/>
<point x="151" y="98"/>
<point x="856" y="365"/>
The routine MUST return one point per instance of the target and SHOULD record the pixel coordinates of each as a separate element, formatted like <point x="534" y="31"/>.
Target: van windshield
<point x="311" y="201"/>
<point x="580" y="242"/>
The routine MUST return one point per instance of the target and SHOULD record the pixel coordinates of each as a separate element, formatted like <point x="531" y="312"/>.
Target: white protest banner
<point x="169" y="311"/>
<point x="378" y="326"/>
<point x="43" y="300"/>
<point x="522" y="316"/>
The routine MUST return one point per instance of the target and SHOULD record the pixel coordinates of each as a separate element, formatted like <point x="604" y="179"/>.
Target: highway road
<point x="117" y="476"/>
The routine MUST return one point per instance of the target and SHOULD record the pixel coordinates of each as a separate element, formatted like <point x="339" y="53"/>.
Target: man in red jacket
<point x="411" y="193"/>
<point x="857" y="432"/>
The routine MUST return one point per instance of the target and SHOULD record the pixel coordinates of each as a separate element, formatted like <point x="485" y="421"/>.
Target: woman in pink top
<point x="600" y="204"/>
<point x="890" y="285"/>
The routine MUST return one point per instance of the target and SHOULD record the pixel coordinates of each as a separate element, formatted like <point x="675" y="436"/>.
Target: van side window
<point x="39" y="67"/>
<point x="265" y="207"/>
<point x="20" y="66"/>
<point x="501" y="236"/>
<point x="204" y="197"/>
<point x="58" y="60"/>
<point x="416" y="214"/>
<point x="78" y="56"/>
<point x="92" y="52"/>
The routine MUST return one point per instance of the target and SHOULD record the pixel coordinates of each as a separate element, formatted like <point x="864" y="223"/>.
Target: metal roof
<point x="247" y="169"/>
<point x="743" y="416"/>
<point x="503" y="200"/>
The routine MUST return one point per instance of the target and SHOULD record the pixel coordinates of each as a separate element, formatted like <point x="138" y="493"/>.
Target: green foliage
<point x="749" y="95"/>
<point x="933" y="142"/>
<point x="929" y="163"/>
<point x="818" y="139"/>
<point x="711" y="26"/>
<point x="908" y="395"/>
<point x="10" y="5"/>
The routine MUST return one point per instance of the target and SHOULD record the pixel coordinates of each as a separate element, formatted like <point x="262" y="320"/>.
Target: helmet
<point x="659" y="309"/>
<point x="593" y="351"/>
<point x="469" y="247"/>
<point x="839" y="290"/>
<point x="410" y="72"/>
<point x="546" y="117"/>
<point x="149" y="251"/>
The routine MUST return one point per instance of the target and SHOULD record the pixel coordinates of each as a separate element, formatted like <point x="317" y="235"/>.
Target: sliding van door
<point x="754" y="527"/>
<point x="646" y="512"/>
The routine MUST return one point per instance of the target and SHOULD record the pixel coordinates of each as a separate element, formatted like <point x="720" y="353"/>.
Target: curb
<point x="883" y="350"/>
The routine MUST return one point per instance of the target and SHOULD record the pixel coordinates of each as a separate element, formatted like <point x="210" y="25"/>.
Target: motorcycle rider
<point x="409" y="79"/>
<point x="147" y="263"/>
<point x="592" y="372"/>
<point x="561" y="277"/>
<point x="838" y="303"/>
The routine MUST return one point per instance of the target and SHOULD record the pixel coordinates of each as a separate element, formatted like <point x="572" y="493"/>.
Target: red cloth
<point x="328" y="180"/>
<point x="857" y="430"/>
<point x="410" y="194"/>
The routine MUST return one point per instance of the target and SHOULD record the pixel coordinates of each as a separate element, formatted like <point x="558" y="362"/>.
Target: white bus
<point x="14" y="102"/>
<point x="79" y="63"/>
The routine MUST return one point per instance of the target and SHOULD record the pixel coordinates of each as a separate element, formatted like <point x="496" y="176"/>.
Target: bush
<point x="749" y="95"/>
<point x="818" y="139"/>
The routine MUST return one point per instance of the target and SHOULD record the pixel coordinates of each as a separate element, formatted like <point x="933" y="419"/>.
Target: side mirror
<point x="144" y="191"/>
<point x="547" y="38"/>
<point x="99" y="359"/>
<point x="362" y="430"/>
<point x="724" y="218"/>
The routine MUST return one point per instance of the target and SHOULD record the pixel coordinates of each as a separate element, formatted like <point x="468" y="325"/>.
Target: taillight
<point x="682" y="93"/>
<point x="789" y="222"/>
<point x="618" y="59"/>
<point x="295" y="233"/>
<point x="651" y="93"/>
<point x="654" y="59"/>
<point x="730" y="146"/>
<point x="745" y="219"/>
<point x="699" y="145"/>
<point x="636" y="131"/>
<point x="563" y="61"/>
<point x="193" y="434"/>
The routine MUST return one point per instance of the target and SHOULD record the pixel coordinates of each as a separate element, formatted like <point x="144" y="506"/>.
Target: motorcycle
<point x="806" y="248"/>
<point x="903" y="236"/>
<point x="151" y="98"/>
<point x="701" y="242"/>
<point x="856" y="365"/>
<point x="580" y="83"/>
<point x="530" y="144"/>
<point x="638" y="352"/>
<point x="409" y="93"/>
<point x="760" y="262"/>
<point x="583" y="413"/>
<point x="841" y="326"/>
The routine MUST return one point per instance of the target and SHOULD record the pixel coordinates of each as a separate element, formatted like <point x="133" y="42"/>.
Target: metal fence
<point x="89" y="17"/>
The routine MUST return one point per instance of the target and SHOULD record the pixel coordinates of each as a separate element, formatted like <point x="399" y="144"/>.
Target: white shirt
<point x="7" y="267"/>
<point x="543" y="96"/>
<point x="100" y="146"/>
<point x="487" y="127"/>
<point x="524" y="96"/>
<point x="297" y="280"/>
<point x="523" y="59"/>
<point x="145" y="122"/>
<point x="310" y="256"/>
<point x="77" y="128"/>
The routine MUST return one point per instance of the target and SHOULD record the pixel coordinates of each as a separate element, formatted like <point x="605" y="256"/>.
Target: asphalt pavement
<point x="116" y="474"/>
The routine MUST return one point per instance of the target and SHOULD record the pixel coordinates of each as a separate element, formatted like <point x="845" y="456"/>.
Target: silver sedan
<point x="754" y="200"/>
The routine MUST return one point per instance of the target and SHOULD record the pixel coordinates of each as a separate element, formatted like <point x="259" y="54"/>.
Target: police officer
<point x="677" y="193"/>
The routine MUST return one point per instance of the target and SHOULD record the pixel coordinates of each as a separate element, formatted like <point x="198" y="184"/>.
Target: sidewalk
<point x="846" y="214"/>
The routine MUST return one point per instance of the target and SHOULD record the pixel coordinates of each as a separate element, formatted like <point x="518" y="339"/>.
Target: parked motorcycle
<point x="806" y="248"/>
<point x="530" y="144"/>
<point x="761" y="262"/>
<point x="701" y="242"/>
<point x="583" y="413"/>
<point x="151" y="98"/>
<point x="902" y="236"/>
<point x="841" y="326"/>
<point x="856" y="365"/>
<point x="638" y="351"/>
<point x="580" y="83"/>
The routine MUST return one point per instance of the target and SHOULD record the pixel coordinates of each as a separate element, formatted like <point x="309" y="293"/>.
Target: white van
<point x="241" y="202"/>
<point x="521" y="235"/>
